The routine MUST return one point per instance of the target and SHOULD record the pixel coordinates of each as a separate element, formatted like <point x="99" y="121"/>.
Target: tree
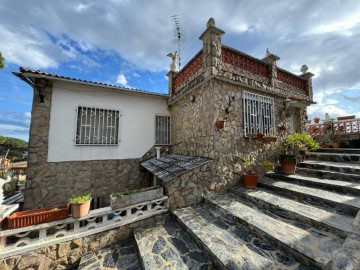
<point x="2" y="60"/>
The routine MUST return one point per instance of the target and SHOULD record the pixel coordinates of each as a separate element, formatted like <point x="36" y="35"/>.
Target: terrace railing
<point x="17" y="241"/>
<point x="338" y="128"/>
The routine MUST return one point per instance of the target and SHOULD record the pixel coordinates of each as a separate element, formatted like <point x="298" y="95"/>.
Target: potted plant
<point x="282" y="127"/>
<point x="120" y="200"/>
<point x="220" y="123"/>
<point x="80" y="205"/>
<point x="291" y="146"/>
<point x="316" y="120"/>
<point x="250" y="178"/>
<point x="270" y="138"/>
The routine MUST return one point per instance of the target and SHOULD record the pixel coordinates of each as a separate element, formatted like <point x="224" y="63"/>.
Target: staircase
<point x="302" y="221"/>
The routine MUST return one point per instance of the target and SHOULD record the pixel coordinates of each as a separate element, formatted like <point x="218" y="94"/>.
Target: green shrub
<point x="80" y="198"/>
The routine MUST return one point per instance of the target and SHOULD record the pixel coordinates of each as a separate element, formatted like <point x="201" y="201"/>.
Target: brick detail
<point x="239" y="60"/>
<point x="291" y="79"/>
<point x="191" y="68"/>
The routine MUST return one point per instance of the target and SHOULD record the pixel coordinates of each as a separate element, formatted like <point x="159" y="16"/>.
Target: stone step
<point x="328" y="174"/>
<point x="120" y="256"/>
<point x="313" y="248"/>
<point x="232" y="245"/>
<point x="346" y="168"/>
<point x="348" y="204"/>
<point x="339" y="150"/>
<point x="345" y="187"/>
<point x="166" y="245"/>
<point x="333" y="157"/>
<point x="291" y="209"/>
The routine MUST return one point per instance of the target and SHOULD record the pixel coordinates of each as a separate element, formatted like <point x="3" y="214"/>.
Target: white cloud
<point x="121" y="79"/>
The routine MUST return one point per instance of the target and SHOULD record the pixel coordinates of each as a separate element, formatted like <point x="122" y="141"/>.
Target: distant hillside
<point x="15" y="149"/>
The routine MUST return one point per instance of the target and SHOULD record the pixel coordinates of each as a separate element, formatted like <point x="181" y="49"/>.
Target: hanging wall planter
<point x="316" y="120"/>
<point x="220" y="124"/>
<point x="282" y="127"/>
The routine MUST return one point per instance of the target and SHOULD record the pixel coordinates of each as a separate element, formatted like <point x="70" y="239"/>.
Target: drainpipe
<point x="158" y="148"/>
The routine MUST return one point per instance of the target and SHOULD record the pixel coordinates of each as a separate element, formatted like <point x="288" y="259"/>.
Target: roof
<point x="172" y="166"/>
<point x="26" y="73"/>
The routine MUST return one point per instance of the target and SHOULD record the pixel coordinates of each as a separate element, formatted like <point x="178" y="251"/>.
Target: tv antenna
<point x="179" y="34"/>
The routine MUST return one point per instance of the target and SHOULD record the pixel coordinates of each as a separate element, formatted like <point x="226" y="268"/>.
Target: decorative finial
<point x="174" y="57"/>
<point x="210" y="23"/>
<point x="267" y="52"/>
<point x="304" y="69"/>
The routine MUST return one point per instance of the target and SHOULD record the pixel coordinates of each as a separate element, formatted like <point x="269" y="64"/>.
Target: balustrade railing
<point x="17" y="241"/>
<point x="339" y="128"/>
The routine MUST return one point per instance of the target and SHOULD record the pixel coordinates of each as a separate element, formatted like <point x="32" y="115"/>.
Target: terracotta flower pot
<point x="282" y="127"/>
<point x="335" y="145"/>
<point x="220" y="124"/>
<point x="250" y="180"/>
<point x="79" y="210"/>
<point x="269" y="139"/>
<point x="288" y="165"/>
<point x="316" y="120"/>
<point x="259" y="136"/>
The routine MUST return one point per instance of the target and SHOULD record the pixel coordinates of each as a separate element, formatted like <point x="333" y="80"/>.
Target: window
<point x="162" y="130"/>
<point x="97" y="126"/>
<point x="258" y="114"/>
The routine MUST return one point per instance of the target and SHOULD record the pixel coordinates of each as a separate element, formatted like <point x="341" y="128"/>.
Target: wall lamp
<point x="287" y="103"/>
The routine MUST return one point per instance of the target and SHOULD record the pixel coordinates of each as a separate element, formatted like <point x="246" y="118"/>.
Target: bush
<point x="293" y="143"/>
<point x="81" y="198"/>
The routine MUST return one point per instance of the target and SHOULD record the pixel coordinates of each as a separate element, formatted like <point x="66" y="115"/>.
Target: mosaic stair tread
<point x="232" y="245"/>
<point x="308" y="180"/>
<point x="310" y="246"/>
<point x="120" y="256"/>
<point x="316" y="214"/>
<point x="334" y="157"/>
<point x="331" y="164"/>
<point x="347" y="200"/>
<point x="165" y="245"/>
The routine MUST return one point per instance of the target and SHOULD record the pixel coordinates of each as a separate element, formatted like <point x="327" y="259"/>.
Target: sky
<point x="125" y="43"/>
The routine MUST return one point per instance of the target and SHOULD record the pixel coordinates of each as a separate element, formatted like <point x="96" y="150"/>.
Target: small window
<point x="97" y="126"/>
<point x="162" y="130"/>
<point x="258" y="112"/>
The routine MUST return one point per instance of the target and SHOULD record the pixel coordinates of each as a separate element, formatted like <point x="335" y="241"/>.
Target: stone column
<point x="271" y="59"/>
<point x="171" y="75"/>
<point x="38" y="144"/>
<point x="308" y="77"/>
<point x="212" y="48"/>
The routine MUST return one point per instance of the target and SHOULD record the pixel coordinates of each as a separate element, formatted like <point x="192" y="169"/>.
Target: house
<point x="91" y="137"/>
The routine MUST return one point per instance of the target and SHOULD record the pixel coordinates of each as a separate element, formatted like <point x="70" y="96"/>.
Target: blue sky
<point x="125" y="42"/>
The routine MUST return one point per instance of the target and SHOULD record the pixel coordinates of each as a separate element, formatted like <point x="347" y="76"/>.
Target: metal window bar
<point x="162" y="130"/>
<point x="258" y="114"/>
<point x="93" y="129"/>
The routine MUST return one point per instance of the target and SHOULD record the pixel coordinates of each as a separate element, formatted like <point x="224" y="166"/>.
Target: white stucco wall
<point x="136" y="124"/>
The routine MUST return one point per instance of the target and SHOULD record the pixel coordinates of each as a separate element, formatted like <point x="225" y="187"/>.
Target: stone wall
<point x="67" y="255"/>
<point x="52" y="183"/>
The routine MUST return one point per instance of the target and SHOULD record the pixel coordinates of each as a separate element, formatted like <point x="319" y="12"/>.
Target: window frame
<point x="114" y="124"/>
<point x="256" y="108"/>
<point x="168" y="130"/>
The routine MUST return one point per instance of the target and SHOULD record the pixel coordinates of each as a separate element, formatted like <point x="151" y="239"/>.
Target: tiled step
<point x="313" y="248"/>
<point x="339" y="150"/>
<point x="328" y="174"/>
<point x="232" y="245"/>
<point x="165" y="245"/>
<point x="351" y="168"/>
<point x="348" y="204"/>
<point x="316" y="216"/>
<point x="333" y="157"/>
<point x="328" y="184"/>
<point x="120" y="256"/>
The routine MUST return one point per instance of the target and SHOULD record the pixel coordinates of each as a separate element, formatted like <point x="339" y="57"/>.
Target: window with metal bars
<point x="97" y="126"/>
<point x="258" y="112"/>
<point x="162" y="130"/>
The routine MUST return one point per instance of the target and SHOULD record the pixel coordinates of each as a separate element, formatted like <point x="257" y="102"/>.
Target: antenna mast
<point x="179" y="34"/>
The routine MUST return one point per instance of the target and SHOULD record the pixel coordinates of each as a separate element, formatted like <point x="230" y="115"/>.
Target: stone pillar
<point x="212" y="48"/>
<point x="271" y="59"/>
<point x="171" y="75"/>
<point x="38" y="144"/>
<point x="308" y="77"/>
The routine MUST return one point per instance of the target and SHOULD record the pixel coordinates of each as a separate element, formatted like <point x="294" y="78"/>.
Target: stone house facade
<point x="220" y="83"/>
<point x="223" y="83"/>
